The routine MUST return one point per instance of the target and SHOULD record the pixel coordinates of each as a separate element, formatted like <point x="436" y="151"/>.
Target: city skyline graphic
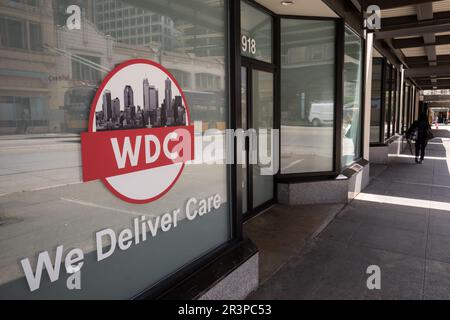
<point x="146" y="99"/>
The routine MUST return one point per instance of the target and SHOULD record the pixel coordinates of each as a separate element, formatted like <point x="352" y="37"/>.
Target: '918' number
<point x="248" y="44"/>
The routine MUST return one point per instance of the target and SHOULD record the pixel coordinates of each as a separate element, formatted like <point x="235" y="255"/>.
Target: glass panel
<point x="393" y="107"/>
<point x="307" y="95"/>
<point x="375" y="111"/>
<point x="244" y="127"/>
<point x="256" y="33"/>
<point x="398" y="119"/>
<point x="407" y="110"/>
<point x="396" y="102"/>
<point x="388" y="100"/>
<point x="42" y="198"/>
<point x="262" y="115"/>
<point x="351" y="119"/>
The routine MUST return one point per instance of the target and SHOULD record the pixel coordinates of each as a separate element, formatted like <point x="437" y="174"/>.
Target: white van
<point x="321" y="113"/>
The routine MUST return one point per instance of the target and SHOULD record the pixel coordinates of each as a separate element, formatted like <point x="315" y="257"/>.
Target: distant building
<point x="146" y="94"/>
<point x="107" y="106"/>
<point x="168" y="110"/>
<point x="153" y="107"/>
<point x="116" y="109"/>
<point x="128" y="96"/>
<point x="149" y="28"/>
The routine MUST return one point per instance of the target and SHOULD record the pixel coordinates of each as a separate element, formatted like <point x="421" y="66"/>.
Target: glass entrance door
<point x="257" y="93"/>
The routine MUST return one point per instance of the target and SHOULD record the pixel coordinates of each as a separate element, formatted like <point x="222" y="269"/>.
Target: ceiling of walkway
<point x="417" y="32"/>
<point x="414" y="33"/>
<point x="300" y="8"/>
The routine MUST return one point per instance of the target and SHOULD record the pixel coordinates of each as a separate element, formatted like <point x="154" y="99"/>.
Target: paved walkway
<point x="401" y="223"/>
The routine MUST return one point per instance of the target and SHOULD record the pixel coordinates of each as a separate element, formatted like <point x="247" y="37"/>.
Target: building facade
<point x="329" y="99"/>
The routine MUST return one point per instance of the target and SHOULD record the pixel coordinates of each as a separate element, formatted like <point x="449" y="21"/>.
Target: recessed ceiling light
<point x="286" y="2"/>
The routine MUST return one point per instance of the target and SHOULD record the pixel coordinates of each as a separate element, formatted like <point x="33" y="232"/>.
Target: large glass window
<point x="399" y="102"/>
<point x="388" y="100"/>
<point x="256" y="33"/>
<point x="395" y="119"/>
<point x="404" y="108"/>
<point x="44" y="105"/>
<point x="307" y="95"/>
<point x="375" y="110"/>
<point x="351" y="118"/>
<point x="393" y="106"/>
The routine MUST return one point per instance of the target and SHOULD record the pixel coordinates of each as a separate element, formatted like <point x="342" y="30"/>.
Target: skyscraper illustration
<point x="116" y="109"/>
<point x="107" y="107"/>
<point x="170" y="112"/>
<point x="146" y="95"/>
<point x="128" y="96"/>
<point x="154" y="98"/>
<point x="168" y="91"/>
<point x="154" y="102"/>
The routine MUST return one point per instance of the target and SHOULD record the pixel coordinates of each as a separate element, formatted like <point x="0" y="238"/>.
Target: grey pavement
<point x="400" y="222"/>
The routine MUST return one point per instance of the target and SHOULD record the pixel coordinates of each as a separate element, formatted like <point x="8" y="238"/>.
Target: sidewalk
<point x="401" y="223"/>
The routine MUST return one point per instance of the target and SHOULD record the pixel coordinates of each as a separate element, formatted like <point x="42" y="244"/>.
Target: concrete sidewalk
<point x="401" y="223"/>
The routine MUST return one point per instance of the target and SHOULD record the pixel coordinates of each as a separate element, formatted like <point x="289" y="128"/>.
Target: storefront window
<point x="375" y="111"/>
<point x="405" y="108"/>
<point x="256" y="33"/>
<point x="388" y="99"/>
<point x="394" y="102"/>
<point x="398" y="115"/>
<point x="393" y="107"/>
<point x="351" y="119"/>
<point x="307" y="95"/>
<point x="44" y="105"/>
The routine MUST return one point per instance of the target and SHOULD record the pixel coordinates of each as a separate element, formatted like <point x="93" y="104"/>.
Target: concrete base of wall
<point x="358" y="181"/>
<point x="233" y="274"/>
<point x="379" y="154"/>
<point x="238" y="284"/>
<point x="316" y="192"/>
<point x="340" y="190"/>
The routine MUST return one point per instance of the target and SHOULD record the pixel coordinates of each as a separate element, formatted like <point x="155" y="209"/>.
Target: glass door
<point x="257" y="92"/>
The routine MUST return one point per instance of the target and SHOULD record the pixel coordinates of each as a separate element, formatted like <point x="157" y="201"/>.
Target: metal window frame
<point x="382" y="98"/>
<point x="233" y="91"/>
<point x="338" y="105"/>
<point x="272" y="67"/>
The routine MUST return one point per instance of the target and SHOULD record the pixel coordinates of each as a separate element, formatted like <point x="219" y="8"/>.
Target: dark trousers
<point x="420" y="149"/>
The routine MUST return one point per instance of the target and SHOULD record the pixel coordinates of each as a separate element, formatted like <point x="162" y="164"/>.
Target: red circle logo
<point x="139" y="136"/>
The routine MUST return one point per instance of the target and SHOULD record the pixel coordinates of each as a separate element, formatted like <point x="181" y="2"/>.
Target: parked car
<point x="321" y="113"/>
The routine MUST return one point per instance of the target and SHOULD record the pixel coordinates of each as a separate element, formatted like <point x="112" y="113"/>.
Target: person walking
<point x="421" y="130"/>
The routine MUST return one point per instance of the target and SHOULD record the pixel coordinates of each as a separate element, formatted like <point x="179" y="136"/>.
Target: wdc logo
<point x="372" y="19"/>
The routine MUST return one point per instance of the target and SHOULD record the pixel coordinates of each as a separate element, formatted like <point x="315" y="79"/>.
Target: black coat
<point x="423" y="127"/>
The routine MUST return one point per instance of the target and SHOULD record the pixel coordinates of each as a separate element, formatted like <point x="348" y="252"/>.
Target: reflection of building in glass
<point x="130" y="25"/>
<point x="63" y="68"/>
<point x="134" y="26"/>
<point x="25" y="80"/>
<point x="308" y="100"/>
<point x="111" y="117"/>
